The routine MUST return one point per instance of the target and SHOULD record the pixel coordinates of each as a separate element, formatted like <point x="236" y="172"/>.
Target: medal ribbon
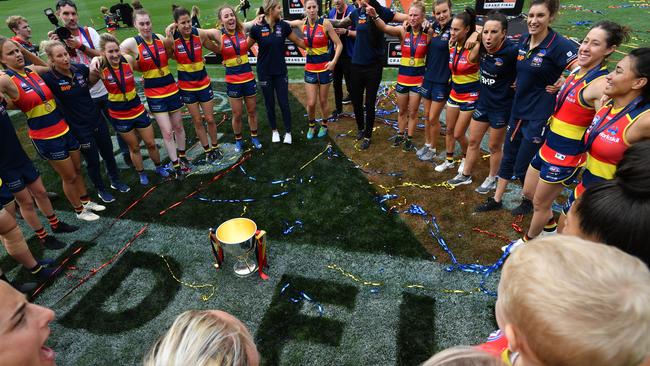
<point x="310" y="35"/>
<point x="414" y="47"/>
<point x="600" y="127"/>
<point x="121" y="83"/>
<point x="155" y="59"/>
<point x="235" y="43"/>
<point x="456" y="58"/>
<point x="190" y="51"/>
<point x="567" y="88"/>
<point x="32" y="83"/>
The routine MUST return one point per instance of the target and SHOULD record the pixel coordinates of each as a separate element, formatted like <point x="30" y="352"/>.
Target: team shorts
<point x="16" y="179"/>
<point x="170" y="103"/>
<point x="551" y="173"/>
<point x="241" y="90"/>
<point x="197" y="96"/>
<point x="57" y="148"/>
<point x="126" y="125"/>
<point x="435" y="92"/>
<point x="405" y="89"/>
<point x="464" y="106"/>
<point x="496" y="120"/>
<point x="323" y="77"/>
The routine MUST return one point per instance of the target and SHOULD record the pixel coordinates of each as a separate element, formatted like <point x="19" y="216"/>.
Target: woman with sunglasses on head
<point x="47" y="127"/>
<point x="151" y="52"/>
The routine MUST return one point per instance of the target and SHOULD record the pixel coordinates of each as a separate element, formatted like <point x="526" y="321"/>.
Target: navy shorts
<point x="170" y="103"/>
<point x="496" y="120"/>
<point x="16" y="179"/>
<point x="197" y="96"/>
<point x="57" y="148"/>
<point x="464" y="106"/>
<point x="5" y="196"/>
<point x="405" y="89"/>
<point x="241" y="90"/>
<point x="323" y="77"/>
<point x="523" y="141"/>
<point x="126" y="125"/>
<point x="435" y="92"/>
<point x="551" y="173"/>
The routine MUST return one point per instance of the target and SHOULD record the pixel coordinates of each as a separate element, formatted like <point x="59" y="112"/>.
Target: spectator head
<point x="463" y="356"/>
<point x="617" y="212"/>
<point x="19" y="26"/>
<point x="24" y="329"/>
<point x="203" y="338"/>
<point x="567" y="301"/>
<point x="66" y="10"/>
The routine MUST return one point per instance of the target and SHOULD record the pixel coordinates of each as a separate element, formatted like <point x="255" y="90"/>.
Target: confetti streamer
<point x="204" y="297"/>
<point x="301" y="296"/>
<point x="357" y="279"/>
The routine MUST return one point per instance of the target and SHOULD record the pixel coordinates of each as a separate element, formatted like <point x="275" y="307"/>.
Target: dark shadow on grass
<point x="416" y="337"/>
<point x="88" y="313"/>
<point x="283" y="321"/>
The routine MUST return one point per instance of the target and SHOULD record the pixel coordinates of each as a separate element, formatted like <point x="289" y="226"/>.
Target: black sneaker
<point x="63" y="227"/>
<point x="365" y="144"/>
<point x="186" y="166"/>
<point x="408" y="145"/>
<point x="399" y="139"/>
<point x="42" y="273"/>
<point x="524" y="208"/>
<point x="347" y="99"/>
<point x="180" y="175"/>
<point x="25" y="288"/>
<point x="489" y="205"/>
<point x="50" y="242"/>
<point x="360" y="135"/>
<point x="215" y="155"/>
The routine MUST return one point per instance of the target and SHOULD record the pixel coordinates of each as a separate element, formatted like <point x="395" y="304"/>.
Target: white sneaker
<point x="514" y="245"/>
<point x="287" y="138"/>
<point x="548" y="233"/>
<point x="423" y="150"/>
<point x="461" y="167"/>
<point x="86" y="215"/>
<point x="92" y="206"/>
<point x="275" y="137"/>
<point x="460" y="179"/>
<point x="488" y="184"/>
<point x="444" y="166"/>
<point x="429" y="155"/>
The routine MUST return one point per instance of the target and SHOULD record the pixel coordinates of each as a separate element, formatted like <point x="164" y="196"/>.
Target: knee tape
<point x="15" y="242"/>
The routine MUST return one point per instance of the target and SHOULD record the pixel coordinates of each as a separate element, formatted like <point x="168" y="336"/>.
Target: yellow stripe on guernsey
<point x="40" y="110"/>
<point x="233" y="61"/>
<point x="155" y="73"/>
<point x="600" y="168"/>
<point x="405" y="61"/>
<point x="567" y="130"/>
<point x="120" y="97"/>
<point x="193" y="67"/>
<point x="317" y="51"/>
<point x="465" y="79"/>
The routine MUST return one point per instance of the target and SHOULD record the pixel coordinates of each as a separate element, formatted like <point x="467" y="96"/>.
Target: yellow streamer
<point x="315" y="157"/>
<point x="443" y="184"/>
<point x="353" y="277"/>
<point x="445" y="291"/>
<point x="204" y="297"/>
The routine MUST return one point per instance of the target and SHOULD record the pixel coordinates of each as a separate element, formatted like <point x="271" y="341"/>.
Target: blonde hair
<point x="200" y="338"/>
<point x="196" y="11"/>
<point x="463" y="356"/>
<point x="48" y="46"/>
<point x="267" y="5"/>
<point x="106" y="38"/>
<point x="419" y="5"/>
<point x="14" y="20"/>
<point x="577" y="303"/>
<point x="103" y="10"/>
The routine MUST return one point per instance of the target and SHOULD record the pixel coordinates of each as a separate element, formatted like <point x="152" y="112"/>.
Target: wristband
<point x="374" y="18"/>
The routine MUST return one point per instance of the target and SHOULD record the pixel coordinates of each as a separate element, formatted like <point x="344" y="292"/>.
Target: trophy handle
<point x="217" y="251"/>
<point x="261" y="252"/>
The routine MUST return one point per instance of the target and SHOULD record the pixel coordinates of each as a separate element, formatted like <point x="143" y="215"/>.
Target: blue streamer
<point x="291" y="227"/>
<point x="299" y="296"/>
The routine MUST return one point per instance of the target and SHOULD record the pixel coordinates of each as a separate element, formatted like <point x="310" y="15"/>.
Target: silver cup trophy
<point x="239" y="239"/>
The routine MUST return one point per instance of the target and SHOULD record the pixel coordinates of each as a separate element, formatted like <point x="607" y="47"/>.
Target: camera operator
<point x="82" y="45"/>
<point x="22" y="34"/>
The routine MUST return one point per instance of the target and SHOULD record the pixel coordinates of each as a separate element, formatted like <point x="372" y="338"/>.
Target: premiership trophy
<point x="240" y="239"/>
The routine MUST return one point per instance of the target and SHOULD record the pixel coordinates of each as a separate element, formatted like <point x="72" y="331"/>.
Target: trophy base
<point x="243" y="269"/>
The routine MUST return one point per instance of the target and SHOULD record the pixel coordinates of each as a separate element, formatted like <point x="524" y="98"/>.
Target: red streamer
<point x="516" y="222"/>
<point x="492" y="235"/>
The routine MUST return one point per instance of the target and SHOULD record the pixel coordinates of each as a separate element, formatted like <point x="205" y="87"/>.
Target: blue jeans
<point x="278" y="84"/>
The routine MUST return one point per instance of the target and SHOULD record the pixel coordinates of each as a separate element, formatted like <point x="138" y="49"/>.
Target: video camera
<point x="63" y="32"/>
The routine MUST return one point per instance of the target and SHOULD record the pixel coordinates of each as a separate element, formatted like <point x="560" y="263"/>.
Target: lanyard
<point x="121" y="82"/>
<point x="32" y="83"/>
<point x="235" y="43"/>
<point x="155" y="59"/>
<point x="456" y="57"/>
<point x="190" y="51"/>
<point x="414" y="46"/>
<point x="86" y="36"/>
<point x="567" y="88"/>
<point x="600" y="126"/>
<point x="310" y="35"/>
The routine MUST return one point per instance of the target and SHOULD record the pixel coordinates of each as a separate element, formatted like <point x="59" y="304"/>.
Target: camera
<point x="62" y="32"/>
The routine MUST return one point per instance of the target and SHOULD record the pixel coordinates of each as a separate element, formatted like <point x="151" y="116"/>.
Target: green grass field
<point x="380" y="279"/>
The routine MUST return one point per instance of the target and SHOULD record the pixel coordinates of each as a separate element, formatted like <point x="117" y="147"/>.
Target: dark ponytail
<point x="469" y="19"/>
<point x="553" y="6"/>
<point x="640" y="58"/>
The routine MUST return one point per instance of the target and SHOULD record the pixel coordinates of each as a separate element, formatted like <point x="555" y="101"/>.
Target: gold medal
<point x="161" y="72"/>
<point x="412" y="61"/>
<point x="48" y="107"/>
<point x="239" y="61"/>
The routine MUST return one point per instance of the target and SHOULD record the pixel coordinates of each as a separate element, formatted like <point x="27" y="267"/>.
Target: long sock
<point x="527" y="238"/>
<point x="176" y="164"/>
<point x="312" y="123"/>
<point x="238" y="137"/>
<point x="253" y="133"/>
<point x="41" y="233"/>
<point x="79" y="209"/>
<point x="84" y="199"/>
<point x="551" y="225"/>
<point x="54" y="221"/>
<point x="181" y="154"/>
<point x="34" y="270"/>
<point x="450" y="157"/>
<point x="214" y="145"/>
<point x="207" y="148"/>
